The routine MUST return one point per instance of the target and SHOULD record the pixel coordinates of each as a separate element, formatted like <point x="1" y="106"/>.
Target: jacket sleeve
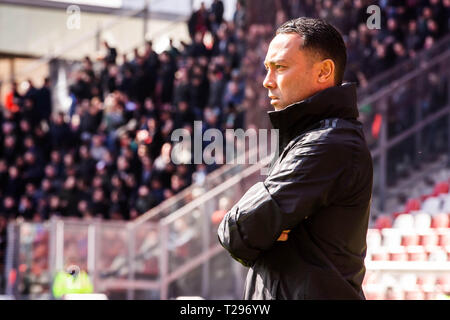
<point x="305" y="180"/>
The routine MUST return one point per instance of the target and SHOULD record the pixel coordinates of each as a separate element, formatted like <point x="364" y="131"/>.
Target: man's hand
<point x="284" y="235"/>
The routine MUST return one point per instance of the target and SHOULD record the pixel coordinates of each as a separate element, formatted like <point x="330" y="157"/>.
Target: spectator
<point x="166" y="77"/>
<point x="54" y="208"/>
<point x="100" y="205"/>
<point x="217" y="10"/>
<point x="183" y="115"/>
<point x="145" y="200"/>
<point x="199" y="22"/>
<point x="33" y="171"/>
<point x="86" y="163"/>
<point x="111" y="53"/>
<point x="14" y="186"/>
<point x="13" y="99"/>
<point x="98" y="150"/>
<point x="60" y="133"/>
<point x="26" y="207"/>
<point x="412" y="39"/>
<point x="9" y="207"/>
<point x="68" y="197"/>
<point x="3" y="173"/>
<point x="90" y="117"/>
<point x="239" y="15"/>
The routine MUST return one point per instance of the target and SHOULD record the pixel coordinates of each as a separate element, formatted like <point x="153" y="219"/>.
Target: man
<point x="44" y="101"/>
<point x="302" y="232"/>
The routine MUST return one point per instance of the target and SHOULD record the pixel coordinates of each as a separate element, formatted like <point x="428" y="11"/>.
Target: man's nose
<point x="269" y="82"/>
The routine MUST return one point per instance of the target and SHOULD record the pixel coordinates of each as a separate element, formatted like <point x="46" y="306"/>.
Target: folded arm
<point x="302" y="182"/>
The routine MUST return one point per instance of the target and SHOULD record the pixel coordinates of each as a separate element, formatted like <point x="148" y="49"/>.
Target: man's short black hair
<point x="322" y="38"/>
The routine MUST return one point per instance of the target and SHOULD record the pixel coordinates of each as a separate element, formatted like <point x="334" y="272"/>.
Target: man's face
<point x="289" y="77"/>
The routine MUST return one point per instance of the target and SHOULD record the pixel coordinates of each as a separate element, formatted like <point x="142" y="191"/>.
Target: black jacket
<point x="319" y="188"/>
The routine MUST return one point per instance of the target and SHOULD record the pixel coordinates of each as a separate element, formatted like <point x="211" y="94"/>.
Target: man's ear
<point x="326" y="71"/>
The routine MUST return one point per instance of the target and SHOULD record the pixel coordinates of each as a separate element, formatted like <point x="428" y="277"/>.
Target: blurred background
<point x="91" y="91"/>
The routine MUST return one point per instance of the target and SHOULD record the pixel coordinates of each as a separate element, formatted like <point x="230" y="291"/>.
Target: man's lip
<point x="273" y="101"/>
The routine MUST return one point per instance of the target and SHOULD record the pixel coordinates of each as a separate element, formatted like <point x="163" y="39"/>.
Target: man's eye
<point x="279" y="66"/>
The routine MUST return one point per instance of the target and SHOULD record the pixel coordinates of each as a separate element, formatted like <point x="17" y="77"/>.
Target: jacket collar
<point x="333" y="102"/>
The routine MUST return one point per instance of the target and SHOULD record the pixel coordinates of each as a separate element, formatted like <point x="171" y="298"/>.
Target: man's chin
<point x="277" y="105"/>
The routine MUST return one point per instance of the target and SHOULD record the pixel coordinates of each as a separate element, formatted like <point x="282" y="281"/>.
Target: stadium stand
<point x="420" y="233"/>
<point x="94" y="144"/>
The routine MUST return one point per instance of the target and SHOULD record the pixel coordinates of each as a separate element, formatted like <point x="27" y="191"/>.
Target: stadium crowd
<point x="406" y="27"/>
<point x="110" y="155"/>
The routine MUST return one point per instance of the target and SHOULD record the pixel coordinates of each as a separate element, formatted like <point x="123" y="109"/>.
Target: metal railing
<point x="130" y="256"/>
<point x="187" y="195"/>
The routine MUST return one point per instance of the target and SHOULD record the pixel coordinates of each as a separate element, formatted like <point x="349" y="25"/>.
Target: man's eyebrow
<point x="272" y="62"/>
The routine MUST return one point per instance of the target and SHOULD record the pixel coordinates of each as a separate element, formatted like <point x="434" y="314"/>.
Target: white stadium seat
<point x="404" y="221"/>
<point x="432" y="205"/>
<point x="391" y="237"/>
<point x="422" y="221"/>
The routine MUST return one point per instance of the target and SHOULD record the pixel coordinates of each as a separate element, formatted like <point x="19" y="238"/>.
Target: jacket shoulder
<point x="332" y="131"/>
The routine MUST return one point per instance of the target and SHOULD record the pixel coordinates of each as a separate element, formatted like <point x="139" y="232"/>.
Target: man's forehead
<point x="287" y="39"/>
<point x="283" y="46"/>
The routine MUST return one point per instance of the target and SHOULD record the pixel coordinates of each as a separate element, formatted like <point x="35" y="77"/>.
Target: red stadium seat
<point x="441" y="187"/>
<point x="440" y="220"/>
<point x="380" y="254"/>
<point x="444" y="237"/>
<point x="430" y="294"/>
<point x="428" y="238"/>
<point x="416" y="253"/>
<point x="398" y="254"/>
<point x="412" y="205"/>
<point x="370" y="278"/>
<point x="383" y="222"/>
<point x="427" y="279"/>
<point x="374" y="292"/>
<point x="410" y="239"/>
<point x="394" y="293"/>
<point x="183" y="250"/>
<point x="443" y="279"/>
<point x="217" y="216"/>
<point x="414" y="294"/>
<point x="443" y="282"/>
